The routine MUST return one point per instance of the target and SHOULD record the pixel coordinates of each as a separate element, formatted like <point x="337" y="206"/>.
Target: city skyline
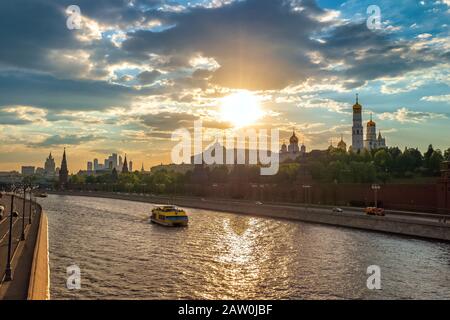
<point x="123" y="83"/>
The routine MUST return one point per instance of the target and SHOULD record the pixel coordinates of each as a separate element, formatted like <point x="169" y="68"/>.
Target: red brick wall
<point x="415" y="197"/>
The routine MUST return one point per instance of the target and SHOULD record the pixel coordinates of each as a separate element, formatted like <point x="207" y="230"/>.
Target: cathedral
<point x="372" y="141"/>
<point x="293" y="151"/>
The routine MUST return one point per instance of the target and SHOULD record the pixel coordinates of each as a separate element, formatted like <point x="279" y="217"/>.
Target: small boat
<point x="169" y="216"/>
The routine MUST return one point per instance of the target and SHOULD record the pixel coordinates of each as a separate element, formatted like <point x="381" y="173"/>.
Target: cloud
<point x="59" y="140"/>
<point x="52" y="93"/>
<point x="257" y="43"/>
<point x="21" y="115"/>
<point x="441" y="98"/>
<point x="148" y="77"/>
<point x="405" y="115"/>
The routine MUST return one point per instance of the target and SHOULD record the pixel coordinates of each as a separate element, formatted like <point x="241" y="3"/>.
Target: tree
<point x="434" y="163"/>
<point x="219" y="174"/>
<point x="114" y="175"/>
<point x="383" y="159"/>
<point x="447" y="155"/>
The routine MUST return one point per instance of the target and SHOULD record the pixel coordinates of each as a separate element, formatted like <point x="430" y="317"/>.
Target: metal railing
<point x="12" y="232"/>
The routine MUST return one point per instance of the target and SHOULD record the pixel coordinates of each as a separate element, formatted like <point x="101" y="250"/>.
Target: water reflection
<point x="226" y="256"/>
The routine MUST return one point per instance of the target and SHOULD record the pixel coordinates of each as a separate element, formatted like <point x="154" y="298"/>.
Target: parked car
<point x="338" y="210"/>
<point x="372" y="211"/>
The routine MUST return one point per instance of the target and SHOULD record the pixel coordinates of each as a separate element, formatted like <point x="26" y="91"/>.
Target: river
<point x="229" y="256"/>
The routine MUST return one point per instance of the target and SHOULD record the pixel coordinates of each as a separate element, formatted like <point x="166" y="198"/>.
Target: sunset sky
<point x="139" y="69"/>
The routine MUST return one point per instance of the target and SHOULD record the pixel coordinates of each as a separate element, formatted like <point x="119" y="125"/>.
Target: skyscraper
<point x="63" y="172"/>
<point x="114" y="160"/>
<point x="49" y="166"/>
<point x="89" y="166"/>
<point x="357" y="129"/>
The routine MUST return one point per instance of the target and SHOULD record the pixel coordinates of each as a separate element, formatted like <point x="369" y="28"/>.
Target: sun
<point x="241" y="109"/>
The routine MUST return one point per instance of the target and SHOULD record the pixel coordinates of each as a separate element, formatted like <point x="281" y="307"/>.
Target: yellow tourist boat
<point x="169" y="216"/>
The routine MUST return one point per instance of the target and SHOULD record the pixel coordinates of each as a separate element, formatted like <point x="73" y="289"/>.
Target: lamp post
<point x="31" y="203"/>
<point x="375" y="188"/>
<point x="22" y="237"/>
<point x="306" y="188"/>
<point x="8" y="271"/>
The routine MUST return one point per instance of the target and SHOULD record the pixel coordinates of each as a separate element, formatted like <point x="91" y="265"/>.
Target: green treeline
<point x="331" y="166"/>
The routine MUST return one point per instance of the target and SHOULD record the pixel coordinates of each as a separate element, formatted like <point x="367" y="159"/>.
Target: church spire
<point x="63" y="172"/>
<point x="125" y="165"/>
<point x="357" y="98"/>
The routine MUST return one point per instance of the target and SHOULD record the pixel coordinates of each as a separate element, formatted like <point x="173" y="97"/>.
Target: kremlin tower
<point x="371" y="142"/>
<point x="63" y="172"/>
<point x="357" y="129"/>
<point x="125" y="165"/>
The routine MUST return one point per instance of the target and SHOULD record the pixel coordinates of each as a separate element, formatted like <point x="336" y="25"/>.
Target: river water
<point x="230" y="256"/>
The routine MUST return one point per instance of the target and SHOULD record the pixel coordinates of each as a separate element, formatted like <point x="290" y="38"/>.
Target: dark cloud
<point x="9" y="118"/>
<point x="168" y="121"/>
<point x="163" y="124"/>
<point x="369" y="55"/>
<point x="49" y="92"/>
<point x="259" y="44"/>
<point x="148" y="77"/>
<point x="29" y="29"/>
<point x="256" y="42"/>
<point x="58" y="140"/>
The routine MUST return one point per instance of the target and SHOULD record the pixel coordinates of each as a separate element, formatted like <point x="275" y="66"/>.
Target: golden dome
<point x="371" y="123"/>
<point x="342" y="144"/>
<point x="293" y="139"/>
<point x="357" y="107"/>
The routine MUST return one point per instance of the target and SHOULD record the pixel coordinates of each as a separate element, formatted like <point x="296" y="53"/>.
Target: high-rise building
<point x="96" y="167"/>
<point x="63" y="172"/>
<point x="49" y="166"/>
<point x="357" y="129"/>
<point x="114" y="160"/>
<point x="89" y="166"/>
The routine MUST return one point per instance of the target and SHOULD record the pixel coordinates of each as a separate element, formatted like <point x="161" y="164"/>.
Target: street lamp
<point x="375" y="188"/>
<point x="25" y="189"/>
<point x="8" y="271"/>
<point x="306" y="188"/>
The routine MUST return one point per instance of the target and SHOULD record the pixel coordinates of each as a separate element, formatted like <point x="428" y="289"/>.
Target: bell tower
<point x="357" y="129"/>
